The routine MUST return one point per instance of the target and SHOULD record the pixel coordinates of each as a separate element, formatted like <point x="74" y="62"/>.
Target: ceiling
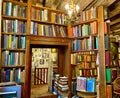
<point x="84" y="4"/>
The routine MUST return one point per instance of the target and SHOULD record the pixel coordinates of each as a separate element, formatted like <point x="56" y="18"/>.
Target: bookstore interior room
<point x="59" y="48"/>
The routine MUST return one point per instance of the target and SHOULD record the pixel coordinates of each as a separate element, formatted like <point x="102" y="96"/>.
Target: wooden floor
<point x="40" y="91"/>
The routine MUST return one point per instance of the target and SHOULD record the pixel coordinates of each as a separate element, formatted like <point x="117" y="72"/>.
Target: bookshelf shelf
<point x="77" y="51"/>
<point x="13" y="17"/>
<point x="87" y="94"/>
<point x="16" y="2"/>
<point x="86" y="22"/>
<point x="46" y="22"/>
<point x="87" y="36"/>
<point x="50" y="9"/>
<point x="12" y="33"/>
<point x="87" y="68"/>
<point x="14" y="66"/>
<point x="3" y="49"/>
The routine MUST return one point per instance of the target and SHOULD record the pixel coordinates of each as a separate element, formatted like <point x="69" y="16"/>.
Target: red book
<point x="113" y="74"/>
<point x="107" y="58"/>
<point x="108" y="91"/>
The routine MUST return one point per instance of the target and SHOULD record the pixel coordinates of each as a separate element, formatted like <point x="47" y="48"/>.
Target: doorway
<point x="64" y="50"/>
<point x="42" y="58"/>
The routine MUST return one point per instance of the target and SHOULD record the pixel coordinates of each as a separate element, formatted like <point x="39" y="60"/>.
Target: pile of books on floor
<point x="61" y="87"/>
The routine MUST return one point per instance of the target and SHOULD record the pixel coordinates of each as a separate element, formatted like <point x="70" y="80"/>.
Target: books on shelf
<point x="13" y="58"/>
<point x="86" y="84"/>
<point x="13" y="75"/>
<point x="10" y="9"/>
<point x="48" y="30"/>
<point x="85" y="44"/>
<point x="85" y="29"/>
<point x="14" y="26"/>
<point x="13" y="41"/>
<point x="88" y="14"/>
<point x="47" y="15"/>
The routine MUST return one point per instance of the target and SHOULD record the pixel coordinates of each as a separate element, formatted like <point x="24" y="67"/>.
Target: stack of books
<point x="61" y="86"/>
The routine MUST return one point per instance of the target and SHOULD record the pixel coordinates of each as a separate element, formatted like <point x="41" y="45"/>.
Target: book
<point x="109" y="91"/>
<point x="108" y="75"/>
<point x="107" y="58"/>
<point x="81" y="83"/>
<point x="91" y="85"/>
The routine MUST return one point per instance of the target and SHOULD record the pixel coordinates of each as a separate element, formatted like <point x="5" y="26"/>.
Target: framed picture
<point x="41" y="61"/>
<point x="45" y="55"/>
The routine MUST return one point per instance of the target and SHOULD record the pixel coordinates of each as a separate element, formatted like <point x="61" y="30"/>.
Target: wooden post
<point x="101" y="67"/>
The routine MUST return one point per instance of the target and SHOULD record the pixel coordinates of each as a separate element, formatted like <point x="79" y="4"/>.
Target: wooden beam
<point x="116" y="21"/>
<point x="115" y="27"/>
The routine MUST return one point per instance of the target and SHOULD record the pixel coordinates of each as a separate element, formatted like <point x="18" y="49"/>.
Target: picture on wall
<point x="41" y="61"/>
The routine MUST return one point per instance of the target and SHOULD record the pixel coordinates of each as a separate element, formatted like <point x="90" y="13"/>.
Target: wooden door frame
<point x="49" y="42"/>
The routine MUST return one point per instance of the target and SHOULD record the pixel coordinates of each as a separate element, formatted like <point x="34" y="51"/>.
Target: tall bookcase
<point x="13" y="38"/>
<point x="88" y="55"/>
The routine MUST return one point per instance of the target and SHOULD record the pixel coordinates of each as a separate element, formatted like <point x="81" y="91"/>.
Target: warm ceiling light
<point x="72" y="10"/>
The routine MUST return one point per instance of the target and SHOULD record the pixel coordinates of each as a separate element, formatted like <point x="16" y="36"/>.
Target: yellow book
<point x="4" y="8"/>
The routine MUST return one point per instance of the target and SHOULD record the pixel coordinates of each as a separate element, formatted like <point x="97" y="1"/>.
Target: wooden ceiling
<point x="114" y="15"/>
<point x="60" y="4"/>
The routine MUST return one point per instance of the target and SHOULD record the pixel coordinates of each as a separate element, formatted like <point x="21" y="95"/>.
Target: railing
<point x="40" y="76"/>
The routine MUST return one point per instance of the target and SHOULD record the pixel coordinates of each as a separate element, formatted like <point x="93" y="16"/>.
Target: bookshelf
<point x="88" y="50"/>
<point x="13" y="38"/>
<point x="84" y="54"/>
<point x="47" y="22"/>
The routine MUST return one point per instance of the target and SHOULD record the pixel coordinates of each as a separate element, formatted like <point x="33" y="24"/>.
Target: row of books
<point x="14" y="26"/>
<point x="111" y="74"/>
<point x="85" y="44"/>
<point x="46" y="15"/>
<point x="48" y="30"/>
<point x="88" y="72"/>
<point x="10" y="9"/>
<point x="86" y="84"/>
<point x="13" y="58"/>
<point x="77" y="58"/>
<point x="14" y="75"/>
<point x="87" y="14"/>
<point x="84" y="30"/>
<point x="13" y="41"/>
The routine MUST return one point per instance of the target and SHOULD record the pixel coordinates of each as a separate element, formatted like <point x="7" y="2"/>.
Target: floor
<point x="40" y="91"/>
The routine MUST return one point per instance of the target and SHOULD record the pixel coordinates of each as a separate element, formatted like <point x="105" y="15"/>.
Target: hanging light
<point x="72" y="10"/>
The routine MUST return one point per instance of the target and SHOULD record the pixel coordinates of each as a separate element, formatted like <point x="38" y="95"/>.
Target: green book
<point x="108" y="75"/>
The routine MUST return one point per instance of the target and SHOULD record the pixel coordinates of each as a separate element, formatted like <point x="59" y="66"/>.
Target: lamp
<point x="72" y="10"/>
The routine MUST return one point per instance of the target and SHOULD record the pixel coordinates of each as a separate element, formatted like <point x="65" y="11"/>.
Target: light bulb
<point x="70" y="12"/>
<point x="77" y="7"/>
<point x="67" y="6"/>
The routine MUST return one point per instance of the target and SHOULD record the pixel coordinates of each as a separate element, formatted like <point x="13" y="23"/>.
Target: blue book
<point x="9" y="8"/>
<point x="7" y="75"/>
<point x="6" y="57"/>
<point x="5" y="41"/>
<point x="80" y="30"/>
<point x="14" y="41"/>
<point x="91" y="85"/>
<point x="12" y="57"/>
